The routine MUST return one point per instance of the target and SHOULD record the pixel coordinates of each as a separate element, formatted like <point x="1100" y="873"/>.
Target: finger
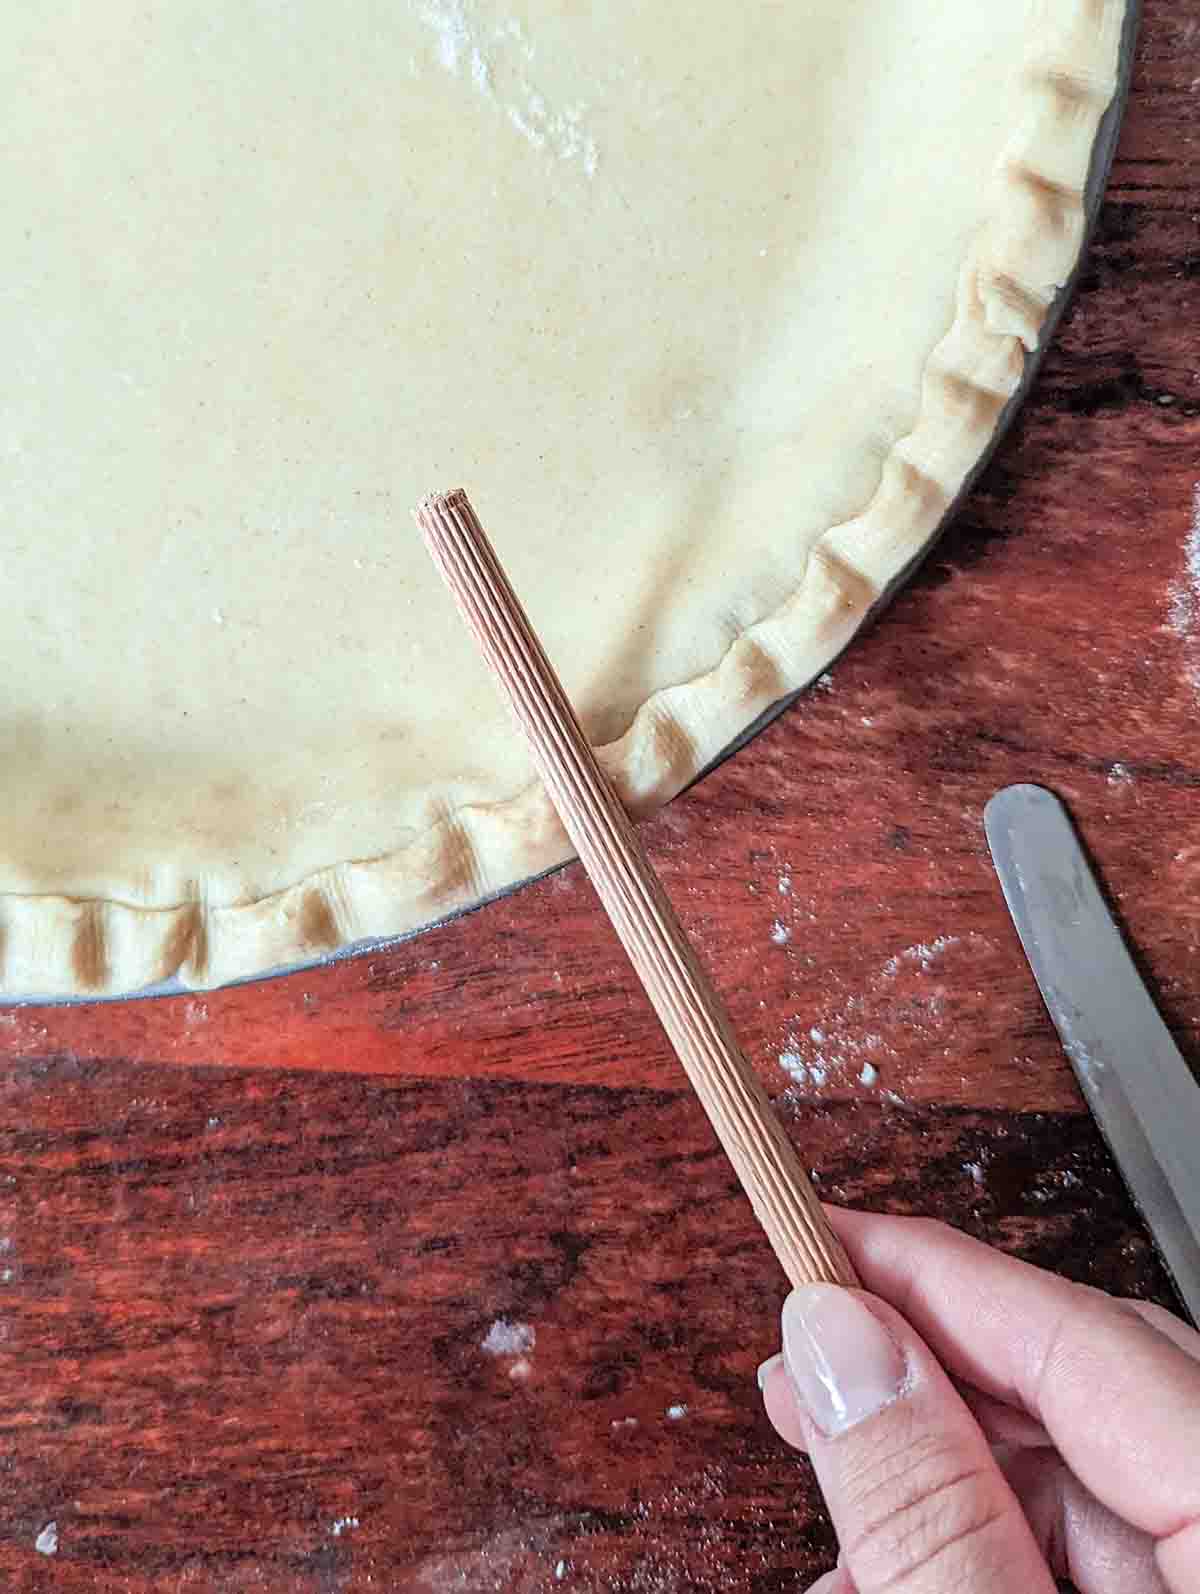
<point x="1004" y="1427"/>
<point x="1003" y="1424"/>
<point x="780" y="1403"/>
<point x="1064" y="1353"/>
<point x="1079" y="1536"/>
<point x="838" y="1581"/>
<point x="917" y="1499"/>
<point x="1176" y="1330"/>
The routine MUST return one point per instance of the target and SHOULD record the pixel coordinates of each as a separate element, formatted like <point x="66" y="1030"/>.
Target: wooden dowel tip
<point x="434" y="504"/>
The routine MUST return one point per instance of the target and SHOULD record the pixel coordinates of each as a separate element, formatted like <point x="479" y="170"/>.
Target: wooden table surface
<point x="424" y="1272"/>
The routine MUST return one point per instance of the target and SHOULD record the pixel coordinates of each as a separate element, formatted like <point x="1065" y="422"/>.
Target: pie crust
<point x="714" y="322"/>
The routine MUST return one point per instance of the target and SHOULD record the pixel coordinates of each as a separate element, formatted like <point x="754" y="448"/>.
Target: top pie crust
<point x="713" y="321"/>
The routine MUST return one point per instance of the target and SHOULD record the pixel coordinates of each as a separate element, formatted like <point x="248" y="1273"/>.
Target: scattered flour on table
<point x="850" y="1040"/>
<point x="1183" y="597"/>
<point x="513" y="1558"/>
<point x="685" y="1542"/>
<point x="508" y="1339"/>
<point x="46" y="1542"/>
<point x="925" y="954"/>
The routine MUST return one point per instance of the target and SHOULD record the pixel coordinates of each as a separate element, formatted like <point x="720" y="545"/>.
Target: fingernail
<point x="767" y="1368"/>
<point x="844" y="1364"/>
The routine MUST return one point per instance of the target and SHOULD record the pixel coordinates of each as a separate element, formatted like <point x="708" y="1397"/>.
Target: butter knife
<point x="1131" y="1072"/>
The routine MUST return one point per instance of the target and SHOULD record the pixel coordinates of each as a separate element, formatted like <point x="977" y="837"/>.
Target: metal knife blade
<point x="1136" y="1082"/>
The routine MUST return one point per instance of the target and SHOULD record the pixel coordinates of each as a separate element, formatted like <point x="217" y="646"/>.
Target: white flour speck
<point x="46" y="1542"/>
<point x="560" y="1571"/>
<point x="618" y="1423"/>
<point x="869" y="1075"/>
<point x="342" y="1525"/>
<point x="975" y="1169"/>
<point x="526" y="128"/>
<point x="677" y="1412"/>
<point x="496" y="69"/>
<point x="794" y="1065"/>
<point x="1183" y="597"/>
<point x="824" y="681"/>
<point x="1090" y="1068"/>
<point x="780" y="933"/>
<point x="1120" y="775"/>
<point x="508" y="1339"/>
<point x="785" y="885"/>
<point x="511" y="28"/>
<point x="925" y="954"/>
<point x="448" y="20"/>
<point x="520" y="1370"/>
<point x="1180" y="610"/>
<point x="481" y="72"/>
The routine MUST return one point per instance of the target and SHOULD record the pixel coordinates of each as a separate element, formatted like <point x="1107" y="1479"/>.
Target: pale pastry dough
<point x="711" y="308"/>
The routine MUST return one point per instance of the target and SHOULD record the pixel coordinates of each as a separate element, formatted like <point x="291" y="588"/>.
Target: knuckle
<point x="922" y="1504"/>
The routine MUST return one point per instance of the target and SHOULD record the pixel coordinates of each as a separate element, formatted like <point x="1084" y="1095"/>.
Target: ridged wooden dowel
<point x="691" y="1012"/>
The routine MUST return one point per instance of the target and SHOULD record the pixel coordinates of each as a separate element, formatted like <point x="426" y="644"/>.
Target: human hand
<point x="1069" y="1448"/>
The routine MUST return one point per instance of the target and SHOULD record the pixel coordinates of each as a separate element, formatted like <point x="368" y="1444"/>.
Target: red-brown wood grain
<point x="252" y="1242"/>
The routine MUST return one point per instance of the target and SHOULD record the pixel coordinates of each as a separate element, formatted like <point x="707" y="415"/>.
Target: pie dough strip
<point x="604" y="836"/>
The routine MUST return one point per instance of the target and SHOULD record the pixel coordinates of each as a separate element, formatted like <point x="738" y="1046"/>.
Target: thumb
<point x="918" y="1502"/>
